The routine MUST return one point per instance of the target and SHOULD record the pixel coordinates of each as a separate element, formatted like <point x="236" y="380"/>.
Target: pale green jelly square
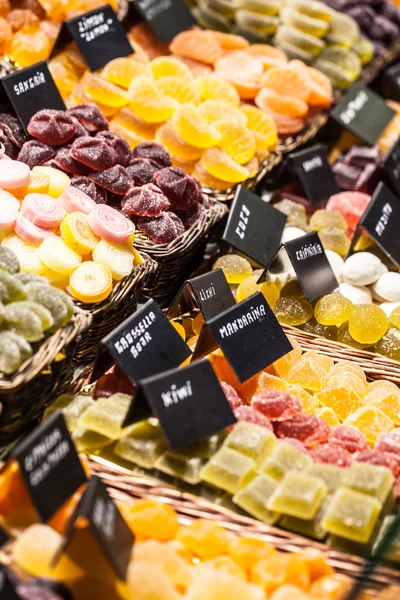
<point x="331" y="474"/>
<point x="142" y="444"/>
<point x="252" y="440"/>
<point x="254" y="496"/>
<point x="285" y="458"/>
<point x="205" y="448"/>
<point x="73" y="411"/>
<point x="181" y="466"/>
<point x="310" y="528"/>
<point x="352" y="515"/>
<point x="89" y="441"/>
<point x="106" y="415"/>
<point x="299" y="495"/>
<point x="229" y="470"/>
<point x="393" y="552"/>
<point x="374" y="480"/>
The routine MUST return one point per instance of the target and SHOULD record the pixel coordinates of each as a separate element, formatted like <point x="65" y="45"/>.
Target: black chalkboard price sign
<point x="391" y="165"/>
<point x="315" y="173"/>
<point x="167" y="18"/>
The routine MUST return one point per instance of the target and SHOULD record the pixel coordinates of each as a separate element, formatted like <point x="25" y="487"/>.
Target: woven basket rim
<point x="313" y="126"/>
<point x="187" y="239"/>
<point x="47" y="352"/>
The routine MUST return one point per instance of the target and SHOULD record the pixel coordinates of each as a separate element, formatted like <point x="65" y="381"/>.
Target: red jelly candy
<point x="35" y="153"/>
<point x="54" y="127"/>
<point x="114" y="381"/>
<point x="141" y="170"/>
<point x="309" y="429"/>
<point x="248" y="414"/>
<point x="115" y="180"/>
<point x="231" y="395"/>
<point x="181" y="190"/>
<point x="90" y="116"/>
<point x="384" y="459"/>
<point x="13" y="129"/>
<point x="85" y="185"/>
<point x="332" y="454"/>
<point x="120" y="146"/>
<point x="387" y="442"/>
<point x="65" y="161"/>
<point x="162" y="229"/>
<point x="101" y="196"/>
<point x="153" y="151"/>
<point x="94" y="153"/>
<point x="277" y="405"/>
<point x="145" y="201"/>
<point x="191" y="216"/>
<point x="10" y="149"/>
<point x="350" y="438"/>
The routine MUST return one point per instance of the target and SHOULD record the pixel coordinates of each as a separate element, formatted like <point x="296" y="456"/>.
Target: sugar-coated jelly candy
<point x="178" y="464"/>
<point x="53" y="127"/>
<point x="389" y="442"/>
<point x="117" y="258"/>
<point x="22" y="321"/>
<point x="106" y="415"/>
<point x="222" y="585"/>
<point x="331" y="454"/>
<point x="282" y="365"/>
<point x="392" y="552"/>
<point x="72" y="408"/>
<point x="43" y="210"/>
<point x="277" y="405"/>
<point x="307" y="372"/>
<point x="299" y="495"/>
<point x="109" y="224"/>
<point x="95" y="153"/>
<point x="193" y="128"/>
<point x="12" y="352"/>
<point x="220" y="165"/>
<point x="332" y="474"/>
<point x="352" y="515"/>
<point x="371" y="421"/>
<point x="310" y="528"/>
<point x="341" y="397"/>
<point x="252" y="440"/>
<point x="250" y="415"/>
<point x="77" y="234"/>
<point x="389" y="344"/>
<point x="57" y="256"/>
<point x="146" y="580"/>
<point x="27" y="254"/>
<point x="13" y="174"/>
<point x="350" y="438"/>
<point x="293" y="311"/>
<point x="142" y="444"/>
<point x="58" y="303"/>
<point x="205" y="539"/>
<point x="370" y="479"/>
<point x="229" y="470"/>
<point x="235" y="268"/>
<point x="8" y="261"/>
<point x="58" y="181"/>
<point x="333" y="309"/>
<point x="148" y="102"/>
<point x="377" y="457"/>
<point x="284" y="458"/>
<point x="9" y="208"/>
<point x="40" y="311"/>
<point x="254" y="496"/>
<point x="73" y="199"/>
<point x="90" y="282"/>
<point x="307" y="428"/>
<point x="368" y="323"/>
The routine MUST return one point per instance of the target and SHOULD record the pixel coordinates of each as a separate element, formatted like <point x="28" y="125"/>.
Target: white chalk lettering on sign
<point x="29" y="84"/>
<point x="243" y="221"/>
<point x="308" y="251"/>
<point x="139" y="333"/>
<point x="175" y="394"/>
<point x="46" y="455"/>
<point x="354" y="107"/>
<point x="153" y="8"/>
<point x="207" y="293"/>
<point x="104" y="517"/>
<point x="383" y="219"/>
<point x="93" y="27"/>
<point x="241" y="322"/>
<point x="313" y="163"/>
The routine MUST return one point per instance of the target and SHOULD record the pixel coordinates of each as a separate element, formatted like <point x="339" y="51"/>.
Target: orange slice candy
<point x="269" y="56"/>
<point x="263" y="126"/>
<point x="284" y="105"/>
<point x="240" y="63"/>
<point x="198" y="45"/>
<point x="286" y="125"/>
<point x="321" y="93"/>
<point x="229" y="41"/>
<point x="121" y="71"/>
<point x="287" y="82"/>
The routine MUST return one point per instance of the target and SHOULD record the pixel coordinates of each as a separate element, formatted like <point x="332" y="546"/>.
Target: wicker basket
<point x="128" y="488"/>
<point x="313" y="126"/>
<point x="175" y="260"/>
<point x="107" y="315"/>
<point x="25" y="394"/>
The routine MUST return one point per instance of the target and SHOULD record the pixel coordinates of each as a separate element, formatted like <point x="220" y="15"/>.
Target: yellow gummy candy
<point x="57" y="256"/>
<point x="220" y="165"/>
<point x="58" y="181"/>
<point x="263" y="126"/>
<point x="39" y="183"/>
<point x="57" y="280"/>
<point x="167" y="136"/>
<point x="103" y="91"/>
<point x="27" y="254"/>
<point x="118" y="259"/>
<point x="181" y="90"/>
<point x="90" y="282"/>
<point x="193" y="128"/>
<point x="167" y="66"/>
<point x="121" y="71"/>
<point x="126" y="118"/>
<point x="76" y="233"/>
<point x="211" y="87"/>
<point x="238" y="141"/>
<point x="148" y="103"/>
<point x="216" y="110"/>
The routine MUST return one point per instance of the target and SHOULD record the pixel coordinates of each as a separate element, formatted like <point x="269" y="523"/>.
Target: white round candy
<point x="356" y="295"/>
<point x="388" y="287"/>
<point x="388" y="307"/>
<point x="336" y="262"/>
<point x="281" y="269"/>
<point x="291" y="233"/>
<point x="362" y="268"/>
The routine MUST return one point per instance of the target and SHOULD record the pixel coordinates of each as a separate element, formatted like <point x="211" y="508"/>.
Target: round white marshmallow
<point x="356" y="295"/>
<point x="362" y="268"/>
<point x="388" y="287"/>
<point x="336" y="262"/>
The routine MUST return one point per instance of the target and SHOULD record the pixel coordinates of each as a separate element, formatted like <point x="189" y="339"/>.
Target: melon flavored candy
<point x="171" y="561"/>
<point x="162" y="200"/>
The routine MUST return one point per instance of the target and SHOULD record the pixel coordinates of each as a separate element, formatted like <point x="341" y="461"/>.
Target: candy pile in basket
<point x="316" y="448"/>
<point x="328" y="39"/>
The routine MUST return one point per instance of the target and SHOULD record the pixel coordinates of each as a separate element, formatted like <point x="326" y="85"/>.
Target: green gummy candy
<point x="106" y="415"/>
<point x="252" y="440"/>
<point x="364" y="50"/>
<point x="56" y="301"/>
<point x="26" y="278"/>
<point x="254" y="496"/>
<point x="8" y="260"/>
<point x="345" y="59"/>
<point x="142" y="444"/>
<point x="315" y="27"/>
<point x="261" y="7"/>
<point x="229" y="470"/>
<point x="179" y="465"/>
<point x="306" y="42"/>
<point x="284" y="458"/>
<point x="209" y="19"/>
<point x="374" y="480"/>
<point x="89" y="441"/>
<point x="261" y="24"/>
<point x="23" y="321"/>
<point x="10" y="354"/>
<point x="41" y="311"/>
<point x="343" y="30"/>
<point x="294" y="52"/>
<point x="338" y="76"/>
<point x="309" y="528"/>
<point x="313" y="8"/>
<point x="14" y="287"/>
<point x="298" y="495"/>
<point x="393" y="552"/>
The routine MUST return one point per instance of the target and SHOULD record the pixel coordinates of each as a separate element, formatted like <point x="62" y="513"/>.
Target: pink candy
<point x="29" y="232"/>
<point x="14" y="174"/>
<point x="109" y="224"/>
<point x="9" y="208"/>
<point x="73" y="199"/>
<point x="351" y="204"/>
<point x="42" y="210"/>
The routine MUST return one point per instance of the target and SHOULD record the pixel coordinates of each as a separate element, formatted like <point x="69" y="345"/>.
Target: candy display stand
<point x="107" y="315"/>
<point x="127" y="488"/>
<point x="25" y="394"/>
<point x="174" y="259"/>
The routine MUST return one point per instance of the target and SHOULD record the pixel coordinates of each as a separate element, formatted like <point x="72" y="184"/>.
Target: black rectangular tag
<point x="390" y="82"/>
<point x="146" y="343"/>
<point x="3" y="537"/>
<point x="7" y="591"/>
<point x="98" y="34"/>
<point x="209" y="292"/>
<point x="364" y="113"/>
<point x="381" y="221"/>
<point x="254" y="227"/>
<point x="50" y="466"/>
<point x="189" y="403"/>
<point x="315" y="173"/>
<point x="391" y="166"/>
<point x="311" y="265"/>
<point x="167" y="18"/>
<point x="248" y="334"/>
<point x="109" y="529"/>
<point x="30" y="90"/>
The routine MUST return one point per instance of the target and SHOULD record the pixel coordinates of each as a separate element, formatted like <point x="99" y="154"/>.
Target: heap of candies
<point x="163" y="201"/>
<point x="354" y="168"/>
<point x="171" y="561"/>
<point x="29" y="28"/>
<point x="30" y="310"/>
<point x="59" y="234"/>
<point x="311" y="32"/>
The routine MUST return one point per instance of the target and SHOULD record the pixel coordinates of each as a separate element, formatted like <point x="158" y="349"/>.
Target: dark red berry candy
<point x="120" y="146"/>
<point x="10" y="148"/>
<point x="95" y="153"/>
<point x="115" y="180"/>
<point x="35" y="153"/>
<point x="277" y="405"/>
<point x="13" y="129"/>
<point x="142" y="170"/>
<point x="53" y="127"/>
<point x="307" y="428"/>
<point x="191" y="216"/>
<point x="65" y="161"/>
<point x="145" y="201"/>
<point x="153" y="151"/>
<point x="181" y="190"/>
<point x="90" y="116"/>
<point x="80" y="129"/>
<point x="250" y="415"/>
<point x="162" y="229"/>
<point x="85" y="185"/>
